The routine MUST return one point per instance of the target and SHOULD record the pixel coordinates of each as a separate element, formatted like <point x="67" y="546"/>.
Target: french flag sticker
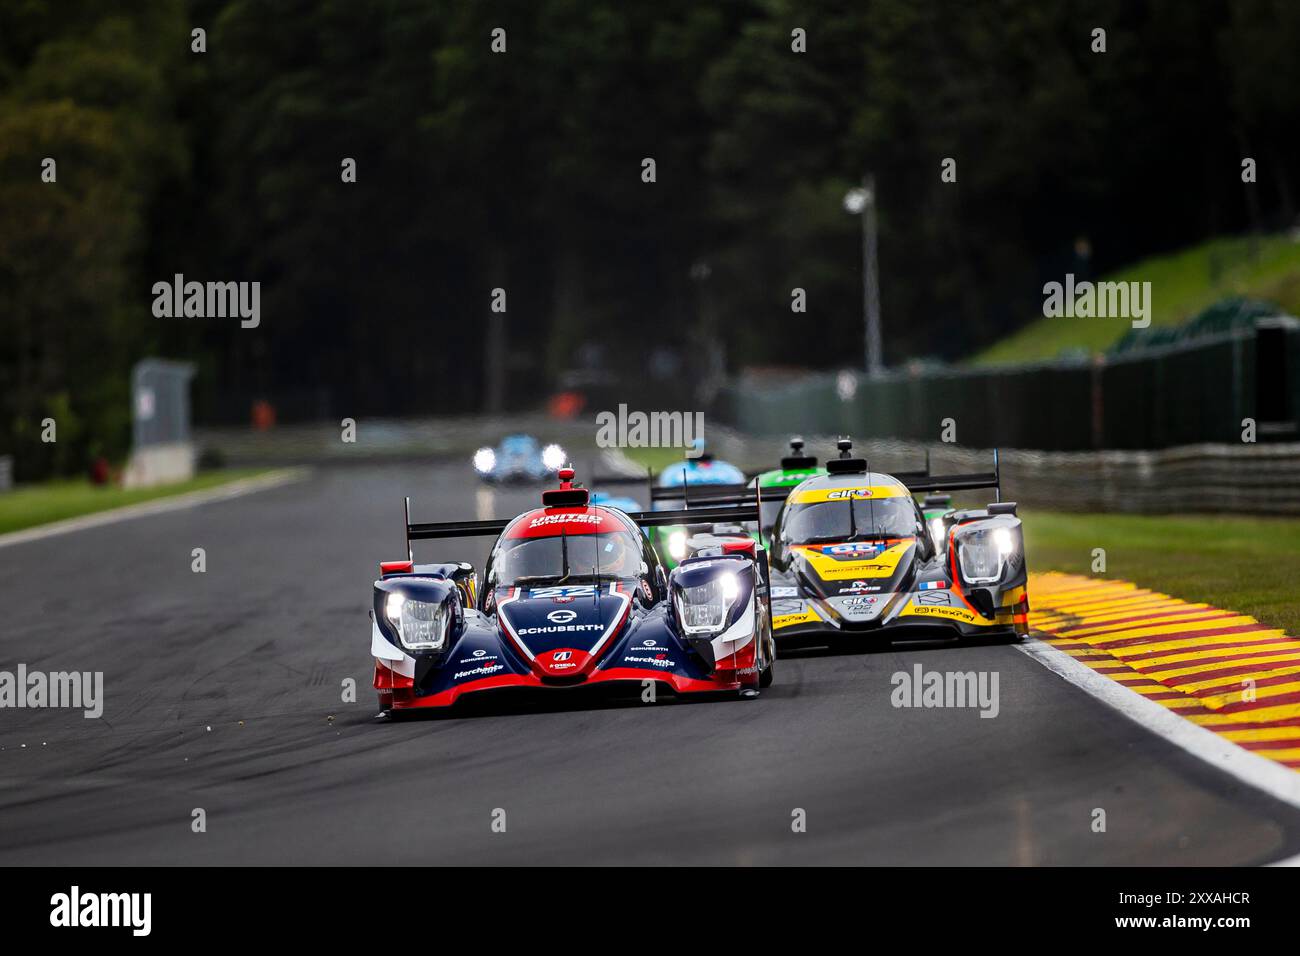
<point x="931" y="585"/>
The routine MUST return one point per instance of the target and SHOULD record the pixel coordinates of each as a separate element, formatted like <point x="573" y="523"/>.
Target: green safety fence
<point x="1173" y="391"/>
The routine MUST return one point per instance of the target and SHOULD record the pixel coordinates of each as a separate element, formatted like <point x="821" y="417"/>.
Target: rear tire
<point x="767" y="674"/>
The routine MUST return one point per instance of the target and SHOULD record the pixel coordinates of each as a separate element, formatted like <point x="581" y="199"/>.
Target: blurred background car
<point x="685" y="483"/>
<point x="623" y="503"/>
<point x="518" y="458"/>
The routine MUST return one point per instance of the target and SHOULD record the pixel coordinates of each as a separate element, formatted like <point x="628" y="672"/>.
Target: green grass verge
<point x="1249" y="565"/>
<point x="1182" y="284"/>
<point x="30" y="505"/>
<point x="656" y="458"/>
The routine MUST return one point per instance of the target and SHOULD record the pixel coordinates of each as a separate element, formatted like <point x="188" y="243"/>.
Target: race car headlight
<point x="393" y="608"/>
<point x="703" y="609"/>
<point x="677" y="545"/>
<point x="981" y="555"/>
<point x="553" y="457"/>
<point x="421" y="625"/>
<point x="485" y="459"/>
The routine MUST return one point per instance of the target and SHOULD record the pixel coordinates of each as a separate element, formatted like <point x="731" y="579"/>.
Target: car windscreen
<point x="518" y="445"/>
<point x="569" y="556"/>
<point x="859" y="518"/>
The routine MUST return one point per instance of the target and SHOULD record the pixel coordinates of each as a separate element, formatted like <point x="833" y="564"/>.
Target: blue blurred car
<point x="704" y="470"/>
<point x="621" y="502"/>
<point x="519" y="458"/>
<point x="699" y="473"/>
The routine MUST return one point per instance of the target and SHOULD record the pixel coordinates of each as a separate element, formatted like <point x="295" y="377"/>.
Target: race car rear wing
<point x="906" y="476"/>
<point x="963" y="482"/>
<point x="717" y="496"/>
<point x="698" y="515"/>
<point x="686" y="492"/>
<point x="701" y="494"/>
<point x="747" y="510"/>
<point x="691" y="495"/>
<point x="448" y="529"/>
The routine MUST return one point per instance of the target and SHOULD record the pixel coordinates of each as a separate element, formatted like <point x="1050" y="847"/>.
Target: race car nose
<point x="563" y="662"/>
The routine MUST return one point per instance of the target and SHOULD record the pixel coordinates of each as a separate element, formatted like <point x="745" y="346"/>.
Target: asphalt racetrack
<point x="220" y="688"/>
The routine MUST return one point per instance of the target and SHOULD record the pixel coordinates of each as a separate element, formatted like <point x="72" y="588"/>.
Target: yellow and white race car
<point x="852" y="557"/>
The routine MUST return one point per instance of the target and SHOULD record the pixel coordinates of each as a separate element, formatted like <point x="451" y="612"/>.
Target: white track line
<point x="234" y="489"/>
<point x="1250" y="768"/>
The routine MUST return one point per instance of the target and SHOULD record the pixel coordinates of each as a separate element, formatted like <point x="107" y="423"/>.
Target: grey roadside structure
<point x="161" y="447"/>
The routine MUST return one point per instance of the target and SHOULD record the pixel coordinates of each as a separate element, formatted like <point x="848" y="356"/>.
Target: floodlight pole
<point x="870" y="281"/>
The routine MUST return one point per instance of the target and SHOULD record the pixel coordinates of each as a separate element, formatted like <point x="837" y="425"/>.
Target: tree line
<point x="502" y="145"/>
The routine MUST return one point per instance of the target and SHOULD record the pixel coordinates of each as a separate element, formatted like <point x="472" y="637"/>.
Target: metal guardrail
<point x="1260" y="479"/>
<point x="1246" y="478"/>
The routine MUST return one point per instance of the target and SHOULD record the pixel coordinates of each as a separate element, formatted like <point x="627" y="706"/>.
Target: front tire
<point x="767" y="675"/>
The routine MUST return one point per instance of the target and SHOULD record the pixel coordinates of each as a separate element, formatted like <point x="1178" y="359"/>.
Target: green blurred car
<point x="774" y="485"/>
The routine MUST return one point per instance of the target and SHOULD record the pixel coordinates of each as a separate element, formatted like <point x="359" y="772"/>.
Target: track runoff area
<point x="1219" y="685"/>
<point x="1221" y="671"/>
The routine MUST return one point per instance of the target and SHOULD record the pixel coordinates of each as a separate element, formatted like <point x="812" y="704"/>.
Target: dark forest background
<point x="523" y="170"/>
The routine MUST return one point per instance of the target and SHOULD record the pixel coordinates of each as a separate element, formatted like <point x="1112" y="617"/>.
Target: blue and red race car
<point x="573" y="595"/>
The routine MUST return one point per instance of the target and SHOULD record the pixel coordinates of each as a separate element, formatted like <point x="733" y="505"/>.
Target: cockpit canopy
<point x="572" y="545"/>
<point x="824" y="510"/>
